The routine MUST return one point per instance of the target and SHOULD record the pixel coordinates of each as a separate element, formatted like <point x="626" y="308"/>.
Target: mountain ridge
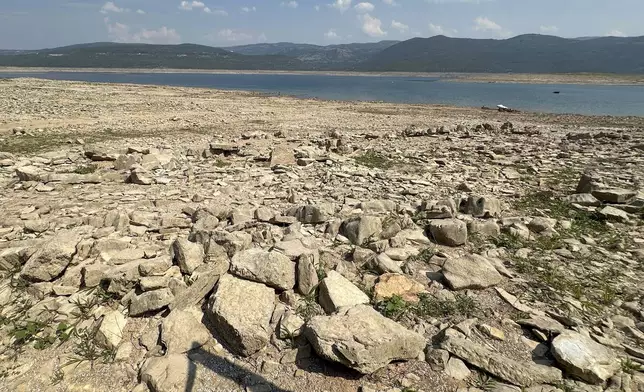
<point x="528" y="53"/>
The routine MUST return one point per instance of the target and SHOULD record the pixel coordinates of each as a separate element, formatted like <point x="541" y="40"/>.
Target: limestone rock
<point x="271" y="268"/>
<point x="544" y="324"/>
<point x="487" y="228"/>
<point x="457" y="369"/>
<point x="589" y="182"/>
<point x="290" y="326"/>
<point x="29" y="173"/>
<point x="110" y="331"/>
<point x="337" y="291"/>
<point x="13" y="258"/>
<point x="169" y="373"/>
<point x="312" y="213"/>
<point x="614" y="195"/>
<point x="614" y="214"/>
<point x="378" y="206"/>
<point x="450" y="232"/>
<point x="282" y="156"/>
<point x="150" y="301"/>
<point x="360" y="229"/>
<point x="584" y="358"/>
<point x="384" y="264"/>
<point x="307" y="276"/>
<point x="361" y="338"/>
<point x="140" y="176"/>
<point x="188" y="255"/>
<point x="203" y="284"/>
<point x="583" y="199"/>
<point x="483" y="207"/>
<point x="51" y="258"/>
<point x="470" y="272"/>
<point x="241" y="311"/>
<point x="517" y="373"/>
<point x="396" y="284"/>
<point x="181" y="332"/>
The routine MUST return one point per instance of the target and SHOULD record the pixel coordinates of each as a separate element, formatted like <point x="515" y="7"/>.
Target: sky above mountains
<point x="35" y="24"/>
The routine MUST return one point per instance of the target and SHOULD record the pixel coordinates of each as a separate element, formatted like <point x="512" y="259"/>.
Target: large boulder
<point x="524" y="374"/>
<point x="470" y="272"/>
<point x="584" y="358"/>
<point x="450" y="232"/>
<point x="241" y="311"/>
<point x="51" y="258"/>
<point x="336" y="291"/>
<point x="271" y="268"/>
<point x="362" y="339"/>
<point x="187" y="255"/>
<point x="181" y="332"/>
<point x="360" y="229"/>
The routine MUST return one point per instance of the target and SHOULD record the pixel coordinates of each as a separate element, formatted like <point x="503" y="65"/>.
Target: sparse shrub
<point x="374" y="160"/>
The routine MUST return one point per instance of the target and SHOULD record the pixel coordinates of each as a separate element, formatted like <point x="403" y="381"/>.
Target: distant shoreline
<point x="581" y="78"/>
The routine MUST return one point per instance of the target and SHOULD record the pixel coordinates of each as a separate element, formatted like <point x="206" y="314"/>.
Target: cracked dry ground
<point x="179" y="239"/>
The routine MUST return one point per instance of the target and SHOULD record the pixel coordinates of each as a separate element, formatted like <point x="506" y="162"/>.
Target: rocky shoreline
<point x="177" y="239"/>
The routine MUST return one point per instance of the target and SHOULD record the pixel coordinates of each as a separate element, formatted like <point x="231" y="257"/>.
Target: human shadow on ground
<point x="243" y="377"/>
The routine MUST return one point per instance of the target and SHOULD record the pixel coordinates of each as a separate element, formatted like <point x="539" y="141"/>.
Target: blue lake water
<point x="579" y="99"/>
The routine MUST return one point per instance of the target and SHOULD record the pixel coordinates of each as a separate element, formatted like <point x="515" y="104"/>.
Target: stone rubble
<point x="237" y="242"/>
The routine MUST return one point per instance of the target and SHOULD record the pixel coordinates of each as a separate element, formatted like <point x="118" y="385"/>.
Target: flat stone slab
<point x="523" y="374"/>
<point x="584" y="358"/>
<point x="470" y="272"/>
<point x="361" y="338"/>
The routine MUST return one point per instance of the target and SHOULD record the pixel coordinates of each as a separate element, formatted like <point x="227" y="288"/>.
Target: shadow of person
<point x="239" y="375"/>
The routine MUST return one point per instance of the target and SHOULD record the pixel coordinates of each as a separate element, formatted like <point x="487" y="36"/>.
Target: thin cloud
<point x="331" y="35"/>
<point x="199" y="5"/>
<point x="548" y="29"/>
<point x="435" y="29"/>
<point x="616" y="33"/>
<point x="190" y="5"/>
<point x="364" y="7"/>
<point x="233" y="35"/>
<point x="403" y="28"/>
<point x="110" y="6"/>
<point x="140" y="12"/>
<point x="341" y="5"/>
<point x="120" y="32"/>
<point x="248" y="9"/>
<point x="289" y="4"/>
<point x="391" y="2"/>
<point x="487" y="25"/>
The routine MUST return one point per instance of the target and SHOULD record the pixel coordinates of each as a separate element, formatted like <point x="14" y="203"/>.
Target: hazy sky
<point x="33" y="24"/>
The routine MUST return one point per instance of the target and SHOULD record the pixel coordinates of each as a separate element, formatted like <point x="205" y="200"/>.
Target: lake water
<point x="579" y="99"/>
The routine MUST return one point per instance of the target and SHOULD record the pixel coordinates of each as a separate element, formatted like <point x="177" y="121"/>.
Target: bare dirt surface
<point x="467" y="240"/>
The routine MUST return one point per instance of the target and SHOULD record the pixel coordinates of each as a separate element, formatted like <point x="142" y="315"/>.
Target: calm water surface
<point x="580" y="99"/>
